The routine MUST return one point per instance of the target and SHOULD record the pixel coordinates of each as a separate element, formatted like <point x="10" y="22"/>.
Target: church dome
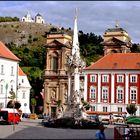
<point x="38" y="15"/>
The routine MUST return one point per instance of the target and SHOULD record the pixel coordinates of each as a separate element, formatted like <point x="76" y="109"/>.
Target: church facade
<point x="58" y="46"/>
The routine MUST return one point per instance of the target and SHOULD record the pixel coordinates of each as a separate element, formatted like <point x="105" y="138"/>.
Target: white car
<point x="118" y="119"/>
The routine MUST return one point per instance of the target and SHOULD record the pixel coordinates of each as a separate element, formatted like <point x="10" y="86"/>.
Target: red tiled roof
<point x="6" y="53"/>
<point x="21" y="73"/>
<point x="117" y="61"/>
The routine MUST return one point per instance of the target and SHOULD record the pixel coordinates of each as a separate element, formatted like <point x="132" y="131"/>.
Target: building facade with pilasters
<point x="113" y="82"/>
<point x="58" y="47"/>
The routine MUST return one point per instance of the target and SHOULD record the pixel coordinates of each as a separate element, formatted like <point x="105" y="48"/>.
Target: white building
<point x="10" y="79"/>
<point x="23" y="92"/>
<point x="39" y="19"/>
<point x="8" y="74"/>
<point x="27" y="18"/>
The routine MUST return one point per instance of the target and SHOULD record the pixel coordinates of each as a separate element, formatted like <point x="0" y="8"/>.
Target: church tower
<point x="58" y="46"/>
<point x="116" y="40"/>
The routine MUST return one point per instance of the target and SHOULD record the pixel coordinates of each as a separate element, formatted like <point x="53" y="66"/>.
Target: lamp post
<point x="18" y="87"/>
<point x="12" y="97"/>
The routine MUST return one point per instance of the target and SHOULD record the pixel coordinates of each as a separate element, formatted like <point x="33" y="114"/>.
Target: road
<point x="32" y="129"/>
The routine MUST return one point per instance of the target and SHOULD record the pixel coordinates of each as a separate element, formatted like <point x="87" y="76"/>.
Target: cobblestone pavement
<point x="32" y="129"/>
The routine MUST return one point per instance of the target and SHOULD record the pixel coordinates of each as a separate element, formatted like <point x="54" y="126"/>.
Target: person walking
<point x="100" y="135"/>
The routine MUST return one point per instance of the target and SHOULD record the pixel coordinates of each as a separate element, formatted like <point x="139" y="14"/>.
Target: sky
<point x="93" y="16"/>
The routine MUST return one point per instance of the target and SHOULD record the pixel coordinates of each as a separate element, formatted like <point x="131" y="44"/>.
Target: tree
<point x="14" y="104"/>
<point x="131" y="109"/>
<point x="85" y="105"/>
<point x="33" y="104"/>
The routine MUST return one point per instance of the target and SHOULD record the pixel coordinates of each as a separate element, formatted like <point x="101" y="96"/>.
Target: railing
<point x="124" y="132"/>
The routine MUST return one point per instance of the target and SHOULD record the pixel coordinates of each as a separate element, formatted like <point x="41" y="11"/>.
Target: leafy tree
<point x="17" y="105"/>
<point x="90" y="47"/>
<point x="53" y="29"/>
<point x="33" y="104"/>
<point x="12" y="104"/>
<point x="8" y="19"/>
<point x="131" y="109"/>
<point x="85" y="105"/>
<point x="135" y="48"/>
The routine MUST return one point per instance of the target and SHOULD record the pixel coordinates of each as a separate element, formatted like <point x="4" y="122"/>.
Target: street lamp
<point x="18" y="87"/>
<point x="12" y="97"/>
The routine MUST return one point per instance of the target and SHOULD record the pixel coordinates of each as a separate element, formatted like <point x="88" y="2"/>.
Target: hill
<point x="23" y="33"/>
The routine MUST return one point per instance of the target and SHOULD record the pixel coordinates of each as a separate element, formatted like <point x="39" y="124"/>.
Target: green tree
<point x="14" y="104"/>
<point x="85" y="105"/>
<point x="131" y="109"/>
<point x="33" y="104"/>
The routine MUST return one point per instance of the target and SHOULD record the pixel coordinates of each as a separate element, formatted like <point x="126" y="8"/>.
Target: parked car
<point x="118" y="119"/>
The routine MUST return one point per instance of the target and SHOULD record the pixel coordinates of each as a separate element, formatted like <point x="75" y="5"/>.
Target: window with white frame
<point x="120" y="93"/>
<point x="104" y="109"/>
<point x="104" y="93"/>
<point x="93" y="92"/>
<point x="12" y="70"/>
<point x="105" y="78"/>
<point x="119" y="109"/>
<point x="133" y="78"/>
<point x="93" y="108"/>
<point x="92" y="78"/>
<point x="133" y="93"/>
<point x="2" y="69"/>
<point x="120" y="78"/>
<point x="1" y="89"/>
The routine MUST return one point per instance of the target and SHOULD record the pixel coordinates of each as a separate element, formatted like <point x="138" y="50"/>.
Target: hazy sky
<point x="94" y="16"/>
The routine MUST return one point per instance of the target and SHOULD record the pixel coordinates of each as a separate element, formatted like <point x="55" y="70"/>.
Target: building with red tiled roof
<point x="6" y="53"/>
<point x="20" y="72"/>
<point x="113" y="82"/>
<point x="8" y="74"/>
<point x="117" y="61"/>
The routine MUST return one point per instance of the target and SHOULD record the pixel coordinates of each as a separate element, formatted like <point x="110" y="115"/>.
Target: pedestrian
<point x="126" y="132"/>
<point x="100" y="135"/>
